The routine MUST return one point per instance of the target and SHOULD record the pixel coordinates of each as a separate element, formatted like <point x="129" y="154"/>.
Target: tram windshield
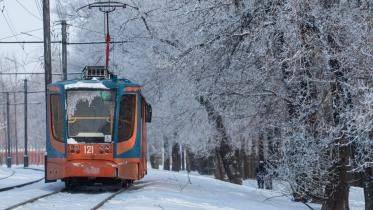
<point x="90" y="116"/>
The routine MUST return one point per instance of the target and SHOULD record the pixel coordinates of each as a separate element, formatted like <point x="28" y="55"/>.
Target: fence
<point x="36" y="156"/>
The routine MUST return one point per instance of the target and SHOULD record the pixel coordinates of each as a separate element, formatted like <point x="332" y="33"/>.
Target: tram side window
<point x="56" y="117"/>
<point x="127" y="116"/>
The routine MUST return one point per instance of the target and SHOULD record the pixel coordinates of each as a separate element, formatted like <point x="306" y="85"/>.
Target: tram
<point x="97" y="130"/>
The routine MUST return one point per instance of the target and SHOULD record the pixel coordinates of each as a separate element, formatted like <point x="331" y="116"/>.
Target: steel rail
<point x="23" y="184"/>
<point x="35" y="169"/>
<point x="99" y="205"/>
<point x="20" y="185"/>
<point x="33" y="200"/>
<point x="11" y="174"/>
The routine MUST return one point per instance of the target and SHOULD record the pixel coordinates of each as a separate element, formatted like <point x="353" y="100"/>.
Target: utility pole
<point x="25" y="156"/>
<point x="15" y="126"/>
<point x="47" y="56"/>
<point x="47" y="45"/>
<point x="9" y="157"/>
<point x="64" y="49"/>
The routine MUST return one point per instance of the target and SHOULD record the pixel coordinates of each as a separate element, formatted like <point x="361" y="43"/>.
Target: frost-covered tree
<point x="278" y="75"/>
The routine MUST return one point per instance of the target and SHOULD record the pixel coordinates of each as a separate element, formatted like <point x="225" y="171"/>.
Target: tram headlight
<point x="77" y="149"/>
<point x="71" y="148"/>
<point x="74" y="149"/>
<point x="107" y="149"/>
<point x="102" y="149"/>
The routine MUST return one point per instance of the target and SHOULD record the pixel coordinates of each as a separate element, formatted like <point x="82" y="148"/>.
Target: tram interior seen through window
<point x="90" y="116"/>
<point x="127" y="116"/>
<point x="56" y="117"/>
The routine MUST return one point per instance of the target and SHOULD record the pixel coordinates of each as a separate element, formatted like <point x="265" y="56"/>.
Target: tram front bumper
<point x="91" y="168"/>
<point x="61" y="168"/>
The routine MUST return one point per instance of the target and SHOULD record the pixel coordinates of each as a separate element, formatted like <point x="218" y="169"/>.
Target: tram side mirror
<point x="148" y="115"/>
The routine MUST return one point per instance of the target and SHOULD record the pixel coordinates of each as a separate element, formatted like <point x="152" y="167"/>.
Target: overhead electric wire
<point x="7" y="22"/>
<point x="10" y="21"/>
<point x="59" y="42"/>
<point x="80" y="27"/>
<point x="28" y="11"/>
<point x="32" y="73"/>
<point x="21" y="33"/>
<point x="12" y="29"/>
<point x="31" y="35"/>
<point x="59" y="8"/>
<point x="39" y="8"/>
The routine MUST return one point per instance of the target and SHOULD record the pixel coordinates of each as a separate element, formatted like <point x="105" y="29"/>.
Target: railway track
<point x="108" y="198"/>
<point x="20" y="185"/>
<point x="35" y="199"/>
<point x="32" y="200"/>
<point x="35" y="169"/>
<point x="11" y="174"/>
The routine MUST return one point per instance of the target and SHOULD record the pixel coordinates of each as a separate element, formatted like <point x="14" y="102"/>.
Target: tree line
<point x="233" y="82"/>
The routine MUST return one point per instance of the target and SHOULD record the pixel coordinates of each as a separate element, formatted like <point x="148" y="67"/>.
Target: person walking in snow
<point x="260" y="174"/>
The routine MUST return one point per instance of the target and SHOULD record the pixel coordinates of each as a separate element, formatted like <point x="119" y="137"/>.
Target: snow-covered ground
<point x="356" y="198"/>
<point x="158" y="190"/>
<point x="169" y="190"/>
<point x="17" y="175"/>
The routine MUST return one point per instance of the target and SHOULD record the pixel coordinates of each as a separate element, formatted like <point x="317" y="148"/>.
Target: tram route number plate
<point x="88" y="149"/>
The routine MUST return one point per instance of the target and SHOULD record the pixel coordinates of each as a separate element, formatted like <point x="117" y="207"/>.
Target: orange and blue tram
<point x="97" y="130"/>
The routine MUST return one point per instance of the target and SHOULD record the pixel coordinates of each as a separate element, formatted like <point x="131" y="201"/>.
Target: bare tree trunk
<point x="224" y="149"/>
<point x="176" y="160"/>
<point x="166" y="163"/>
<point x="183" y="158"/>
<point x="253" y="160"/>
<point x="219" y="168"/>
<point x="338" y="189"/>
<point x="245" y="159"/>
<point x="191" y="161"/>
<point x="261" y="147"/>
<point x="187" y="160"/>
<point x="368" y="188"/>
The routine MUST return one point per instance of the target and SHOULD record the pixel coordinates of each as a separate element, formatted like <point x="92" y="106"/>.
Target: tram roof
<point x="95" y="83"/>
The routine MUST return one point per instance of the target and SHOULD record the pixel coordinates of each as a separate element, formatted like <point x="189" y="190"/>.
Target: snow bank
<point x="169" y="190"/>
<point x="356" y="198"/>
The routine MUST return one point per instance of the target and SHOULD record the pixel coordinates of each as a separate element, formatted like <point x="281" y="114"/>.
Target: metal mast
<point x="106" y="7"/>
